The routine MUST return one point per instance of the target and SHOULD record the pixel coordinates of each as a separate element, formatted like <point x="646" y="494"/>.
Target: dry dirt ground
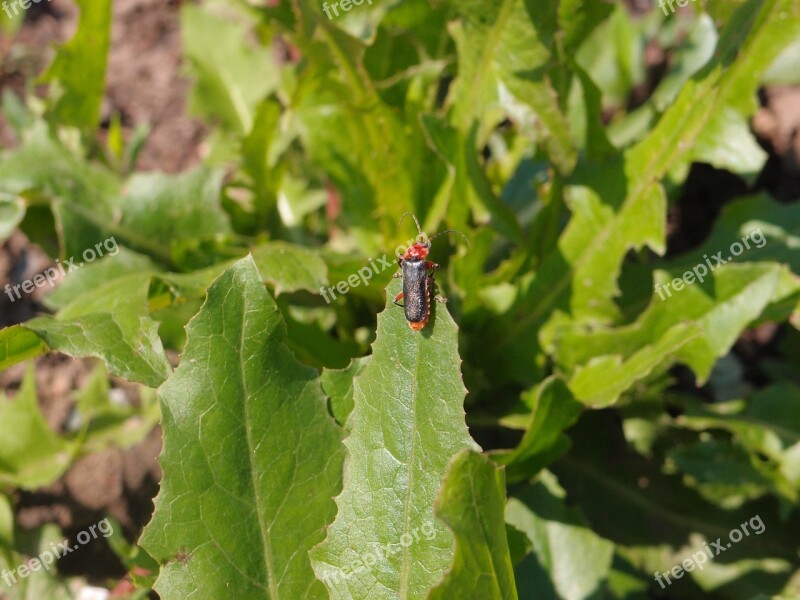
<point x="145" y="87"/>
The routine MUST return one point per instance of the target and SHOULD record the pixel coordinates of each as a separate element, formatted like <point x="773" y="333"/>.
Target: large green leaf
<point x="472" y="503"/>
<point x="85" y="281"/>
<point x="408" y="422"/>
<point x="108" y="308"/>
<point x="251" y="460"/>
<point x="79" y="69"/>
<point x="763" y="451"/>
<point x="772" y="26"/>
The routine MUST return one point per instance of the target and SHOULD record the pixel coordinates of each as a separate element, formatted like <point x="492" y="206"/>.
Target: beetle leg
<point x="432" y="280"/>
<point x="399" y="274"/>
<point x="431" y="265"/>
<point x="398" y="298"/>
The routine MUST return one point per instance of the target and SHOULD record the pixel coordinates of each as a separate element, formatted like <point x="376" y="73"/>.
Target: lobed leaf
<point x="251" y="457"/>
<point x="408" y="422"/>
<point x="472" y="502"/>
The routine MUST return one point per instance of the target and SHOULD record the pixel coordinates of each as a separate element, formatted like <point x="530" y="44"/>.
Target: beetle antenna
<point x="413" y="216"/>
<point x="452" y="231"/>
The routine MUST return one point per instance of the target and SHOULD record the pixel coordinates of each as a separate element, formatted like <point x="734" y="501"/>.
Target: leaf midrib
<point x="404" y="570"/>
<point x="269" y="560"/>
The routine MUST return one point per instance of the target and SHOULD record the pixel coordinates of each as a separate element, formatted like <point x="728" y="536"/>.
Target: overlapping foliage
<point x="507" y="120"/>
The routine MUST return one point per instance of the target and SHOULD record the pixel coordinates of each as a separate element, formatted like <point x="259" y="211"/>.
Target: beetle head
<point x="418" y="249"/>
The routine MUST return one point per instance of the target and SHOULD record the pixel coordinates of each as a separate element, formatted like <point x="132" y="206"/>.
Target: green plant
<point x="290" y="457"/>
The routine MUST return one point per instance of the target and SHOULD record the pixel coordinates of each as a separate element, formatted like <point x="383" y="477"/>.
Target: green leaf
<point x="725" y="90"/>
<point x="579" y="278"/>
<point x="18" y="344"/>
<point x="173" y="214"/>
<point x="502" y="49"/>
<point x="232" y="75"/>
<point x="338" y="385"/>
<point x="665" y="521"/>
<point x="257" y="158"/>
<point x="612" y="54"/>
<point x="12" y="210"/>
<point x="771" y="229"/>
<point x="6" y="524"/>
<point x="728" y="143"/>
<point x="290" y="268"/>
<point x="783" y="71"/>
<point x="31" y="455"/>
<point x="575" y="558"/>
<point x="42" y="583"/>
<point x="343" y="124"/>
<point x="251" y="457"/>
<point x="578" y="18"/>
<point x="104" y="423"/>
<point x="113" y="324"/>
<point x="618" y="204"/>
<point x="408" y="422"/>
<point x="471" y="503"/>
<point x="603" y="379"/>
<point x="79" y="69"/>
<point x="718" y="309"/>
<point x="553" y="409"/>
<point x="107" y="308"/>
<point x="721" y="471"/>
<point x="468" y="182"/>
<point x="79" y="194"/>
<point x="89" y="278"/>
